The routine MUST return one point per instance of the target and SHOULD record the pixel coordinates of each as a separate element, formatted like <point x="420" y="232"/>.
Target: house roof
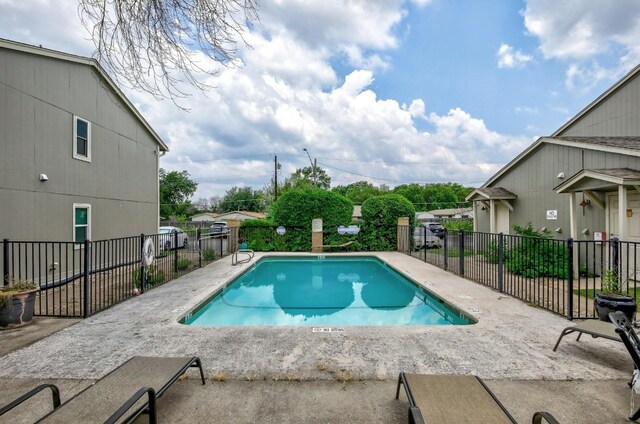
<point x="452" y="211"/>
<point x="624" y="145"/>
<point x="600" y="99"/>
<point x="599" y="179"/>
<point x="491" y="193"/>
<point x="53" y="54"/>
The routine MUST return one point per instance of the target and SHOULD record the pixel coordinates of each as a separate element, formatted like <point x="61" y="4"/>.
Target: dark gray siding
<point x="38" y="98"/>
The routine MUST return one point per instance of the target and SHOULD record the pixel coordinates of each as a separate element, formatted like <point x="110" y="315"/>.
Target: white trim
<point x="76" y="155"/>
<point x="81" y="206"/>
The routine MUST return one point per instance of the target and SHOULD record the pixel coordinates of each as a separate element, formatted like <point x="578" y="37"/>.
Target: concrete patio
<point x="289" y="374"/>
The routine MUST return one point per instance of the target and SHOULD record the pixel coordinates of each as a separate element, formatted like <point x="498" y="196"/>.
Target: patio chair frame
<point x="149" y="407"/>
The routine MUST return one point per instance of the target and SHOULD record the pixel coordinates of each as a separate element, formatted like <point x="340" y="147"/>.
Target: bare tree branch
<point x="157" y="45"/>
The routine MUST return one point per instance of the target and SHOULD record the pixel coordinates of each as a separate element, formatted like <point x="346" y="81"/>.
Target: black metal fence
<point x="562" y="276"/>
<point x="80" y="279"/>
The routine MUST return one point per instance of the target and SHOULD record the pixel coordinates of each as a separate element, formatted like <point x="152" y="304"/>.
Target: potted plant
<point x="242" y="243"/>
<point x="16" y="303"/>
<point x="611" y="299"/>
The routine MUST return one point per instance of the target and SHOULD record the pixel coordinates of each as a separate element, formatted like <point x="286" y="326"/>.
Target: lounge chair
<point x="593" y="327"/>
<point x="629" y="337"/>
<point x="128" y="391"/>
<point x="455" y="399"/>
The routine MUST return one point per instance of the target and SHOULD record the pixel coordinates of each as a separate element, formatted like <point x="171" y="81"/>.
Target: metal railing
<point x="78" y="279"/>
<point x="562" y="276"/>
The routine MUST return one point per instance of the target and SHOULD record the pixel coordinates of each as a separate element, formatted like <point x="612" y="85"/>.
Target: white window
<point x="81" y="222"/>
<point x="81" y="139"/>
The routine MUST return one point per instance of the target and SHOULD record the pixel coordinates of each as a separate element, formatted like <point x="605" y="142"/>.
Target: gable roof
<point x="490" y="193"/>
<point x="625" y="145"/>
<point x="590" y="179"/>
<point x="92" y="63"/>
<point x="622" y="145"/>
<point x="600" y="99"/>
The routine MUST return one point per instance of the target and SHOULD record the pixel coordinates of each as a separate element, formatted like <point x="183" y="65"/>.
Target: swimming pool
<point x="323" y="291"/>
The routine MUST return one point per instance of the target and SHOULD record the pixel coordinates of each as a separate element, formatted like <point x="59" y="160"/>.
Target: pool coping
<point x="511" y="340"/>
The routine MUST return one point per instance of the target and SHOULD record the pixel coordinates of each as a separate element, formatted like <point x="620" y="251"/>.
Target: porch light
<point x="585" y="203"/>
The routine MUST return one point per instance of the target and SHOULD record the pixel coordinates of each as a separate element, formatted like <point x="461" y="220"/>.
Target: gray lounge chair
<point x="128" y="391"/>
<point x="455" y="399"/>
<point x="593" y="327"/>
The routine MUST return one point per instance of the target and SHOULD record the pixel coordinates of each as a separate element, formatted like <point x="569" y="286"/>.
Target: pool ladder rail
<point x="235" y="260"/>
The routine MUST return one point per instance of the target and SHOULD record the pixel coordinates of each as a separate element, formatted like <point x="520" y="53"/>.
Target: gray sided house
<point x="76" y="158"/>
<point x="583" y="181"/>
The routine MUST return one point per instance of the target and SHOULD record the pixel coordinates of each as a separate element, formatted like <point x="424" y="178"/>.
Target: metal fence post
<point x="87" y="278"/>
<point x="198" y="236"/>
<point x="501" y="262"/>
<point x="615" y="255"/>
<point x="446" y="249"/>
<point x="570" y="279"/>
<point x="461" y="251"/>
<point x="175" y="252"/>
<point x="142" y="264"/>
<point x="6" y="275"/>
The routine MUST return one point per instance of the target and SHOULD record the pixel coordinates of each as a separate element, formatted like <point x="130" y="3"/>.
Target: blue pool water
<point x="323" y="291"/>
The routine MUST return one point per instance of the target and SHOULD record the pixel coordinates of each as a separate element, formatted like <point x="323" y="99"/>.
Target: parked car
<point x="436" y="228"/>
<point x="219" y="228"/>
<point x="424" y="238"/>
<point x="167" y="238"/>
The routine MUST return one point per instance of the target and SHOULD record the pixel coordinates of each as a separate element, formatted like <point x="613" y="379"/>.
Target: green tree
<point x="358" y="192"/>
<point x="242" y="199"/>
<point x="303" y="178"/>
<point x="445" y="195"/>
<point x="414" y="193"/>
<point x="175" y="190"/>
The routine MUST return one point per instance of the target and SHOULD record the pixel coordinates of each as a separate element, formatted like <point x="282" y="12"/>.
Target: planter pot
<point x="606" y="303"/>
<point x="243" y="245"/>
<point x="19" y="311"/>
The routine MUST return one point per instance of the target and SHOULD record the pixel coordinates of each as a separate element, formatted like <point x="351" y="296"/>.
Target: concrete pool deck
<point x="511" y="344"/>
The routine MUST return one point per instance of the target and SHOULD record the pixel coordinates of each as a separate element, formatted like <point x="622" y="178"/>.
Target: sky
<point x="387" y="91"/>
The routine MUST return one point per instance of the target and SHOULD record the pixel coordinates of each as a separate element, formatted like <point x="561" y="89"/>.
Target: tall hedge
<point x="297" y="208"/>
<point x="380" y="214"/>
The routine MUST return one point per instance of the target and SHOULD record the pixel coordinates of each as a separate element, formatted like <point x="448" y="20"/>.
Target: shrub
<point x="296" y="209"/>
<point x="536" y="255"/>
<point x="208" y="254"/>
<point x="463" y="224"/>
<point x="381" y="214"/>
<point x="491" y="252"/>
<point x="154" y="276"/>
<point x="15" y="286"/>
<point x="183" y="263"/>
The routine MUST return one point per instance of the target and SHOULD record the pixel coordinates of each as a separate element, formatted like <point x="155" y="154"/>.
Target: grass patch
<point x="221" y="376"/>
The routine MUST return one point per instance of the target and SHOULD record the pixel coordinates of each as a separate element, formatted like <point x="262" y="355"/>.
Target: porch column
<point x="475" y="216"/>
<point x="623" y="228"/>
<point x="492" y="216"/>
<point x="573" y="219"/>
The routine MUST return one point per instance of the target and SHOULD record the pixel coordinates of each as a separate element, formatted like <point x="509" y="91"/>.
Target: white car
<point x="167" y="238"/>
<point x="424" y="238"/>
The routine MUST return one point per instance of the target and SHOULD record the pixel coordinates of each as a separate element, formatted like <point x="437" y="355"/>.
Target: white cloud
<point x="287" y="95"/>
<point x="508" y="58"/>
<point x="579" y="31"/>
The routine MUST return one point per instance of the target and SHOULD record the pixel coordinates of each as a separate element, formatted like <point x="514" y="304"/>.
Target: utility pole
<point x="313" y="167"/>
<point x="275" y="176"/>
<point x="315" y="180"/>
